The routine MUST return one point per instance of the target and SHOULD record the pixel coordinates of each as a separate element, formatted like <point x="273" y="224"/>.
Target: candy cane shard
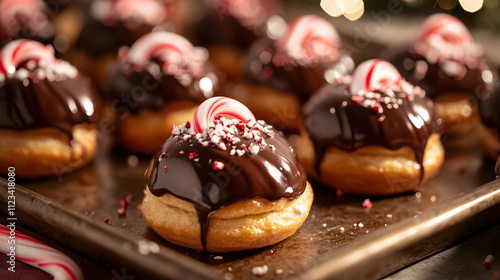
<point x="447" y="27"/>
<point x="219" y="107"/>
<point x="310" y="39"/>
<point x="152" y="12"/>
<point x="175" y="54"/>
<point x="40" y="255"/>
<point x="19" y="51"/>
<point x="374" y="74"/>
<point x="444" y="37"/>
<point x="30" y="55"/>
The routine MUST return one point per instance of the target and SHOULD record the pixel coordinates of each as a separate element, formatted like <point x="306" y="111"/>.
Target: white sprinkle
<point x="388" y="216"/>
<point x="260" y="271"/>
<point x="332" y="110"/>
<point x="279" y="271"/>
<point x="324" y="225"/>
<point x="289" y="190"/>
<point x="342" y="229"/>
<point x="254" y="149"/>
<point x="218" y="258"/>
<point x="361" y="225"/>
<point x="418" y="194"/>
<point x="433" y="198"/>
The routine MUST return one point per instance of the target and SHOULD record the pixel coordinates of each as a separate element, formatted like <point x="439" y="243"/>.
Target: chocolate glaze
<point x="137" y="90"/>
<point x="489" y="106"/>
<point x="98" y="39"/>
<point x="303" y="80"/>
<point x="267" y="174"/>
<point x="215" y="28"/>
<point x="352" y="126"/>
<point x="43" y="103"/>
<point x="435" y="81"/>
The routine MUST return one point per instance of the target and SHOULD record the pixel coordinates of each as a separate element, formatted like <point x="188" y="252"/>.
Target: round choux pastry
<point x="224" y="182"/>
<point x="49" y="112"/>
<point x="375" y="135"/>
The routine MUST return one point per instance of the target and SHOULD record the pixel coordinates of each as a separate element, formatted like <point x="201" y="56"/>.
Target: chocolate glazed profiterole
<point x="48" y="112"/>
<point x="284" y="73"/>
<point x="451" y="68"/>
<point x="376" y="135"/>
<point x="157" y="82"/>
<point x="225" y="182"/>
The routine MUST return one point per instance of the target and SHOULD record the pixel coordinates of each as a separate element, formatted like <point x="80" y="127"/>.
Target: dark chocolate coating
<point x="489" y="108"/>
<point x="217" y="29"/>
<point x="60" y="104"/>
<point x="436" y="81"/>
<point x="141" y="89"/>
<point x="352" y="126"/>
<point x="264" y="175"/>
<point x="304" y="80"/>
<point x="98" y="39"/>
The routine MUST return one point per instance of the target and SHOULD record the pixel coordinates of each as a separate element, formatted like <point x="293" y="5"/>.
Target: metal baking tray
<point x="340" y="239"/>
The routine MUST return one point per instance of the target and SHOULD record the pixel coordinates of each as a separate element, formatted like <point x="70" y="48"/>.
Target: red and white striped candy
<point x="20" y="51"/>
<point x="32" y="14"/>
<point x="310" y="39"/>
<point x="174" y="52"/>
<point x="374" y="74"/>
<point x="152" y="12"/>
<point x="222" y="107"/>
<point x="40" y="255"/>
<point x="449" y="28"/>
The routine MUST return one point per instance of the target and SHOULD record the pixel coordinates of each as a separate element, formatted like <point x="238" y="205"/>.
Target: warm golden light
<point x="471" y="6"/>
<point x="351" y="9"/>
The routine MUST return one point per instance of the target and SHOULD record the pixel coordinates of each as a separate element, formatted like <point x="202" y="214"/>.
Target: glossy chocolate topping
<point x="98" y="39"/>
<point x="489" y="108"/>
<point x="438" y="78"/>
<point x="29" y="104"/>
<point x="264" y="65"/>
<point x="137" y="90"/>
<point x="333" y="117"/>
<point x="199" y="171"/>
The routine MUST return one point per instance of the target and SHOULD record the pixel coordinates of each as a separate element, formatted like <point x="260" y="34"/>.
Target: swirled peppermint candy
<point x="250" y="13"/>
<point x="446" y="38"/>
<point x="215" y="107"/>
<point x="133" y="12"/>
<point x="175" y="55"/>
<point x="24" y="15"/>
<point x="377" y="81"/>
<point x="310" y="39"/>
<point x="26" y="59"/>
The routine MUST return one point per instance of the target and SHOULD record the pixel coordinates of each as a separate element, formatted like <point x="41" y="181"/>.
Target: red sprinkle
<point x="187" y="125"/>
<point x="218" y="165"/>
<point x="107" y="221"/>
<point x="192" y="155"/>
<point x="122" y="205"/>
<point x="367" y="204"/>
<point x="165" y="169"/>
<point x="487" y="262"/>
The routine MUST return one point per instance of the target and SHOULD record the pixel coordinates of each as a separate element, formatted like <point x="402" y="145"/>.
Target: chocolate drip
<point x="332" y="118"/>
<point x="60" y="104"/>
<point x="269" y="174"/>
<point x="143" y="90"/>
<point x="432" y="77"/>
<point x="304" y="80"/>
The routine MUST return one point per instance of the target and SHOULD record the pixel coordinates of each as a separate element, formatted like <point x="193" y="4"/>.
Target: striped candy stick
<point x="40" y="255"/>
